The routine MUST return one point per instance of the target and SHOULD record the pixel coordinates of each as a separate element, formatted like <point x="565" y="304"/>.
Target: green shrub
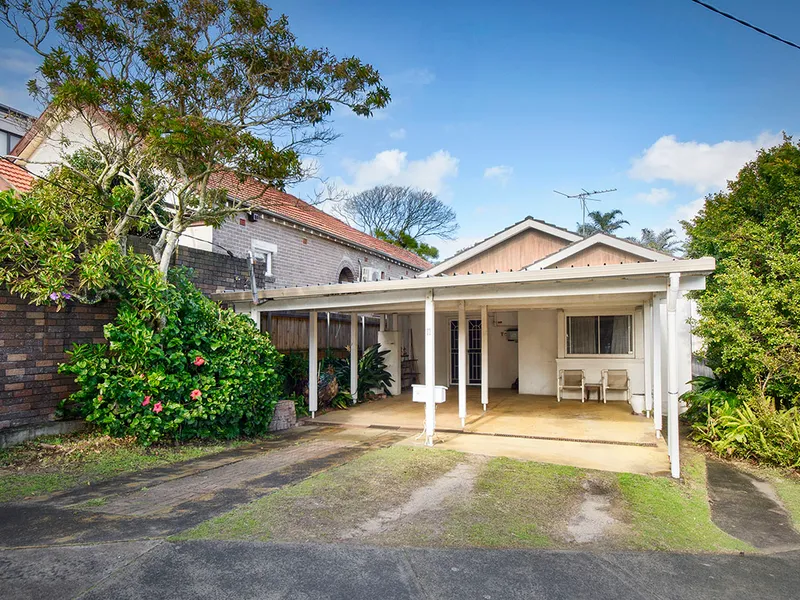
<point x="372" y="373"/>
<point x="751" y="428"/>
<point x="189" y="369"/>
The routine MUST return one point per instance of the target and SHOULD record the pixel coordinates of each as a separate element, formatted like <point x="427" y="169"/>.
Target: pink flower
<point x="100" y="397"/>
<point x="157" y="407"/>
<point x="146" y="401"/>
<point x="199" y="361"/>
<point x="196" y="394"/>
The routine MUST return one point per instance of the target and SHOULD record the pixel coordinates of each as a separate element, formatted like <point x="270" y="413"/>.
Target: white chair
<point x="616" y="380"/>
<point x="571" y="380"/>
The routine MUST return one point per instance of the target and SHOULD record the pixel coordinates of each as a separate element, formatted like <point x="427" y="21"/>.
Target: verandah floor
<point x="587" y="435"/>
<point x="509" y="413"/>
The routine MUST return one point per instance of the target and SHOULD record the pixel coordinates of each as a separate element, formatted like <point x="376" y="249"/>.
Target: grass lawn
<point x="54" y="463"/>
<point x="406" y="496"/>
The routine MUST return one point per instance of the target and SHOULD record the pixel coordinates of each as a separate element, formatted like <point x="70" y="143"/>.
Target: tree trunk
<point x="171" y="242"/>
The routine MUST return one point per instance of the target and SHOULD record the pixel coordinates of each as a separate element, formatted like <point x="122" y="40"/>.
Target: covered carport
<point x="652" y="287"/>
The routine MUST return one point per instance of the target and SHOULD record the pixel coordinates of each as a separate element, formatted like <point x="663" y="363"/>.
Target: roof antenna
<point x="584" y="196"/>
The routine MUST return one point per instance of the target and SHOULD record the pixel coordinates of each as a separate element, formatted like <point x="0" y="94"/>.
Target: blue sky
<point x="497" y="104"/>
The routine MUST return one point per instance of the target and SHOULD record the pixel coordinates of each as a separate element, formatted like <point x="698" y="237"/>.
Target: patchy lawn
<point x="54" y="463"/>
<point x="329" y="505"/>
<point x="407" y="496"/>
<point x="669" y="516"/>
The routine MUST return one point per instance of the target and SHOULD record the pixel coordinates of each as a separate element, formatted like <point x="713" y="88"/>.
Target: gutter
<point x="699" y="266"/>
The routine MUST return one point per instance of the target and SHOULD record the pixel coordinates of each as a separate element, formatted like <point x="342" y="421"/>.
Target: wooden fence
<point x="289" y="331"/>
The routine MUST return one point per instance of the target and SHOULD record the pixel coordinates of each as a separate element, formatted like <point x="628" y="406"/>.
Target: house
<point x="514" y="314"/>
<point x="14" y="177"/>
<point x="14" y="124"/>
<point x="294" y="242"/>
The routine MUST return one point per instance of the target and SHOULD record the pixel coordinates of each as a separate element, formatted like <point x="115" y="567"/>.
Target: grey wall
<point x="303" y="258"/>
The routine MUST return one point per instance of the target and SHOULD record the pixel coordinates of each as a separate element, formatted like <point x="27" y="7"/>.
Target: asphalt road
<point x="205" y="569"/>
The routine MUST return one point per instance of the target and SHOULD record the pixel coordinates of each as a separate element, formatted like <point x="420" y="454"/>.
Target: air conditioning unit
<point x="370" y="274"/>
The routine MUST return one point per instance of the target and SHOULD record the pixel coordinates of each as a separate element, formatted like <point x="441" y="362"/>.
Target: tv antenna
<point x="585" y="196"/>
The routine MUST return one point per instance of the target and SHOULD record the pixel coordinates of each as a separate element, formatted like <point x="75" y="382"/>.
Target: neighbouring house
<point x="293" y="242"/>
<point x="535" y="318"/>
<point x="14" y="124"/>
<point x="290" y="241"/>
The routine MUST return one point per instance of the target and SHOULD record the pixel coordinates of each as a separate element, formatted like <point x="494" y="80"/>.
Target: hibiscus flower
<point x="199" y="361"/>
<point x="157" y="407"/>
<point x="146" y="401"/>
<point x="196" y="394"/>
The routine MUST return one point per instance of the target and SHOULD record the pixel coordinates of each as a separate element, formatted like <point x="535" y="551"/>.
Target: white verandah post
<point x="312" y="362"/>
<point x="484" y="356"/>
<point x="354" y="356"/>
<point x="430" y="368"/>
<point x="462" y="363"/>
<point x="657" y="384"/>
<point x="648" y="358"/>
<point x="672" y="374"/>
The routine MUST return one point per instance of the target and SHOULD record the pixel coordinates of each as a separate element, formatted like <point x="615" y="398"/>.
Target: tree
<point x="602" y="223"/>
<point x="402" y="239"/>
<point x="408" y="211"/>
<point x="663" y="241"/>
<point x="750" y="309"/>
<point x="58" y="242"/>
<point x="205" y="95"/>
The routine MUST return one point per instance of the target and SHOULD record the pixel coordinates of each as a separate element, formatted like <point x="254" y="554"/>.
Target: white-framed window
<point x="264" y="251"/>
<point x="600" y="334"/>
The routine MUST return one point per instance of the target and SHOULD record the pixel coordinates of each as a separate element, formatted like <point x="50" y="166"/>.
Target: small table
<point x="593" y="386"/>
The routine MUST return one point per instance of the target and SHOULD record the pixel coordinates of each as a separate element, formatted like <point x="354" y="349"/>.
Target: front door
<point x="473" y="352"/>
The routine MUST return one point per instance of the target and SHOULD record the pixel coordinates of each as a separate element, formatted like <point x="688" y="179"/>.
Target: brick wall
<point x="33" y="340"/>
<point x="212" y="272"/>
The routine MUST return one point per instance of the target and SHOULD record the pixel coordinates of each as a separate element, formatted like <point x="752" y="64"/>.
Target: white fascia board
<point x="606" y="240"/>
<point x="498" y="239"/>
<point x="480" y="294"/>
<point x="697" y="266"/>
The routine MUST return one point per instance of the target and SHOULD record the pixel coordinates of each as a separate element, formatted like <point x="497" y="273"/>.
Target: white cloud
<point x="398" y="134"/>
<point x="412" y="77"/>
<point x="500" y="172"/>
<point x="656" y="196"/>
<point x="704" y="166"/>
<point x="686" y="212"/>
<point x="393" y="167"/>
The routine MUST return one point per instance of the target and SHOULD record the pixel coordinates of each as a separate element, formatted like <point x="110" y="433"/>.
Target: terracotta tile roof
<point x="294" y="209"/>
<point x="14" y="176"/>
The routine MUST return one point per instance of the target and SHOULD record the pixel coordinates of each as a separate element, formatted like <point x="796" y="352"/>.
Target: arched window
<point x="346" y="276"/>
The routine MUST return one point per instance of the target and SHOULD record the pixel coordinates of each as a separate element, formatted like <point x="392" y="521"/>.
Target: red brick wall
<point x="33" y="341"/>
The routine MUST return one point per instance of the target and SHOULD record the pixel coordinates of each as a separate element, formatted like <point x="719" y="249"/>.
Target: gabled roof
<point x="603" y="239"/>
<point x="14" y="177"/>
<point x="498" y="238"/>
<point x="286" y="206"/>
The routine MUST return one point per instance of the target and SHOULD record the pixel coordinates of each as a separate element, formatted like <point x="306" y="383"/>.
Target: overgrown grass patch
<point x="54" y="463"/>
<point x="329" y="503"/>
<point x="671" y="516"/>
<point x="516" y="504"/>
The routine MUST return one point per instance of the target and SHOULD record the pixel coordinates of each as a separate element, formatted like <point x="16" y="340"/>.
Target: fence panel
<point x="289" y="331"/>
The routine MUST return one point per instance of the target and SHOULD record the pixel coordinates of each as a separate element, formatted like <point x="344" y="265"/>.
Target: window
<point x="600" y="335"/>
<point x="264" y="251"/>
